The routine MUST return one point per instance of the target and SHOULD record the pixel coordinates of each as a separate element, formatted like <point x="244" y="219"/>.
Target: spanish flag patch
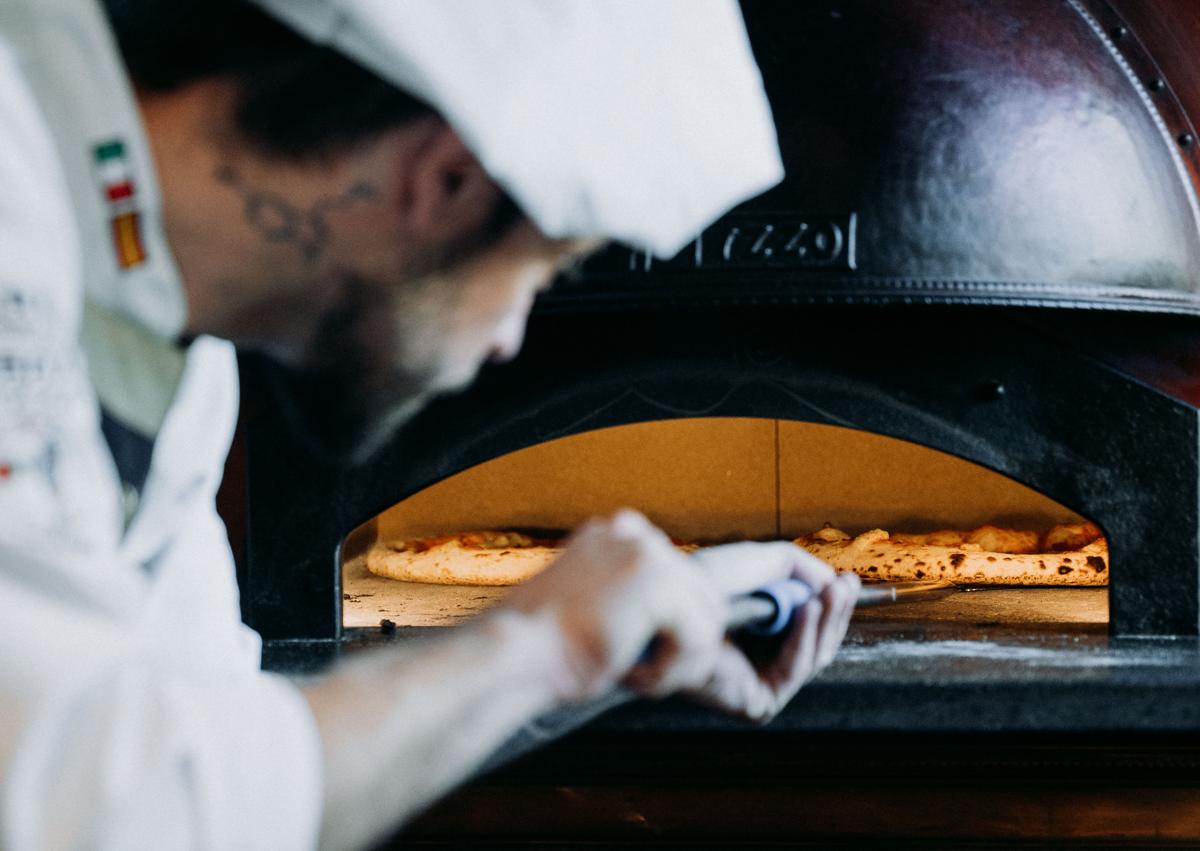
<point x="120" y="194"/>
<point x="127" y="236"/>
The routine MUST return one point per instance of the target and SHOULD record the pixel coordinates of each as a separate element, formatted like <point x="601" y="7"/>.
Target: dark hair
<point x="296" y="99"/>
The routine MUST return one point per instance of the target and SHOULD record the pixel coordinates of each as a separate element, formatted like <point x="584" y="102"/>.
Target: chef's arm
<point x="403" y="725"/>
<point x="126" y="734"/>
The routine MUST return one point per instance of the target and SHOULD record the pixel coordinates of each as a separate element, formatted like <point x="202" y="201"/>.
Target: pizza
<point x="468" y="558"/>
<point x="473" y="558"/>
<point x="1070" y="554"/>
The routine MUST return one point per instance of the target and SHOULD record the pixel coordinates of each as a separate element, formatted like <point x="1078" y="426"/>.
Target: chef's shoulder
<point x="40" y="276"/>
<point x="44" y="399"/>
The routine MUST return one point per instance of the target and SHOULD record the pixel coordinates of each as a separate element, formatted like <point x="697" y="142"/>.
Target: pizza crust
<point x="453" y="562"/>
<point x="1068" y="555"/>
<point x="1012" y="557"/>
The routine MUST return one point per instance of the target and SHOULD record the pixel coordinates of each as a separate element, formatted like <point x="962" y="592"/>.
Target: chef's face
<point x="373" y="279"/>
<point x="446" y="324"/>
<point x="386" y="348"/>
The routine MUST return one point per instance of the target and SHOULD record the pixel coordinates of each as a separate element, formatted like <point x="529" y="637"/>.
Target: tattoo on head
<point x="276" y="219"/>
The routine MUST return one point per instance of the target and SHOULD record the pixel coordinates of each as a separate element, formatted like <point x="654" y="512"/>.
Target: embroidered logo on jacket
<point x="116" y="181"/>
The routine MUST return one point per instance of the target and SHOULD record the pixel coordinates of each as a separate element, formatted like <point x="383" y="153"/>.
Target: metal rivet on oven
<point x="991" y="391"/>
<point x="1158" y="84"/>
<point x="1186" y="140"/>
<point x="1120" y="32"/>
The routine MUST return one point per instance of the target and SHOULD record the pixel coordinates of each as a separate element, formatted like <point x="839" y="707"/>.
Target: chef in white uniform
<point x="133" y="713"/>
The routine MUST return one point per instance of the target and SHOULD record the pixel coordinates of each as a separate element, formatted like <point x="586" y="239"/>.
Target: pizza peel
<point x="769" y="610"/>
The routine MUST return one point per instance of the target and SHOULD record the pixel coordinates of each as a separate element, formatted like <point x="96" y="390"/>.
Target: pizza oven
<point x="973" y="300"/>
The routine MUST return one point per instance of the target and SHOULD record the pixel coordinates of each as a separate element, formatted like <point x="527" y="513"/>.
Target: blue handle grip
<point x="786" y="595"/>
<point x="765" y="611"/>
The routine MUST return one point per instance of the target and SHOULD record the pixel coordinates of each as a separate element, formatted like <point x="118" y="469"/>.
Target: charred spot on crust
<point x="957" y="558"/>
<point x="920" y="574"/>
<point x="872" y="569"/>
<point x="1041" y="564"/>
<point x="920" y="564"/>
<point x="897" y="560"/>
<point x="1097" y="564"/>
<point x="1063" y="570"/>
<point x="991" y="558"/>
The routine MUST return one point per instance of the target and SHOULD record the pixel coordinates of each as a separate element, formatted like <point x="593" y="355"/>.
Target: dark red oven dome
<point x="1032" y="152"/>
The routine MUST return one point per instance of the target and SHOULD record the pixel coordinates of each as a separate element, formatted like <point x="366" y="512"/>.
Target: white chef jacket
<point x="133" y="713"/>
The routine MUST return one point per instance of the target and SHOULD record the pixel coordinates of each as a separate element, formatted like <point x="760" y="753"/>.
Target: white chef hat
<point x="637" y="120"/>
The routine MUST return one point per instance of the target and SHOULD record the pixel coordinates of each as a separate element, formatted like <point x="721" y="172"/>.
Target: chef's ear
<point x="447" y="193"/>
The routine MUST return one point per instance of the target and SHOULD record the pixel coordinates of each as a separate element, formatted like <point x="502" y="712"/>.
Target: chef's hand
<point x="817" y="629"/>
<point x="621" y="583"/>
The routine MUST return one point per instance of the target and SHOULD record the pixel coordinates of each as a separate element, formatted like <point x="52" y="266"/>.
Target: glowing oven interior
<point x="712" y="480"/>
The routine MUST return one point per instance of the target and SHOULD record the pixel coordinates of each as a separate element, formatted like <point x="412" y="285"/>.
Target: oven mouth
<point x="1081" y="412"/>
<point x="714" y="480"/>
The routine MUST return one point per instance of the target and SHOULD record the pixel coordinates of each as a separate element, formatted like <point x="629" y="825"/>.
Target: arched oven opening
<point x="1020" y="395"/>
<point x="712" y="480"/>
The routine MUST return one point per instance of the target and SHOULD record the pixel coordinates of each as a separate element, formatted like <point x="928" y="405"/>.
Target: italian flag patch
<point x="116" y="182"/>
